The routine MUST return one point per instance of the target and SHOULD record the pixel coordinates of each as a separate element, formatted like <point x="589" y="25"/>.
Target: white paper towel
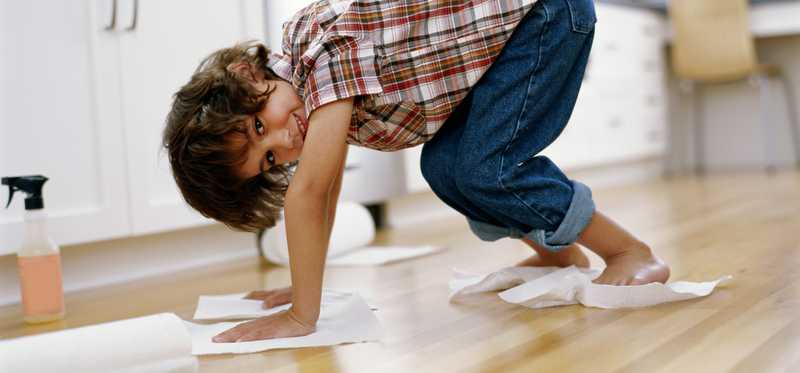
<point x="352" y="231"/>
<point x="353" y="228"/>
<point x="235" y="307"/>
<point x="539" y="287"/>
<point x="156" y="343"/>
<point x="346" y="321"/>
<point x="380" y="255"/>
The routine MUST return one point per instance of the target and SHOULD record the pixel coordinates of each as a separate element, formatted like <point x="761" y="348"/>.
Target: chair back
<point x="712" y="41"/>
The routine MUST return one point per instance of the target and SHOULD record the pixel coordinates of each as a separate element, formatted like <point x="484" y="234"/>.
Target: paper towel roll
<point x="156" y="343"/>
<point x="352" y="229"/>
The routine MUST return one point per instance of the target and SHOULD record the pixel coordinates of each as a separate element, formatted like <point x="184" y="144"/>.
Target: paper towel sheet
<point x="539" y="287"/>
<point x="380" y="255"/>
<point x="352" y="229"/>
<point x="347" y="320"/>
<point x="235" y="307"/>
<point x="155" y="343"/>
<point x="351" y="234"/>
<point x="369" y="255"/>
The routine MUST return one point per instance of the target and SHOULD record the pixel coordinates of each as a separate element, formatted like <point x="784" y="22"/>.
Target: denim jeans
<point x="484" y="160"/>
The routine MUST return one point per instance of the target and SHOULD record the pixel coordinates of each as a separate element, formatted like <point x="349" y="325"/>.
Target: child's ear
<point x="246" y="71"/>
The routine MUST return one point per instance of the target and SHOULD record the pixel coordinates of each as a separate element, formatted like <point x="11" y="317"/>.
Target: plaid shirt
<point x="408" y="62"/>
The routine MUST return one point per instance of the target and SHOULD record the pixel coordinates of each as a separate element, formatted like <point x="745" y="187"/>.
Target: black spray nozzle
<point x="31" y="185"/>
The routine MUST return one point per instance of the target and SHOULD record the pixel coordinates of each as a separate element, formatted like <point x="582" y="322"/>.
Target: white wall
<point x="275" y="14"/>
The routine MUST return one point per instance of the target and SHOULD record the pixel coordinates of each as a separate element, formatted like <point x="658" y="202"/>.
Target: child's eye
<point x="270" y="158"/>
<point x="259" y="127"/>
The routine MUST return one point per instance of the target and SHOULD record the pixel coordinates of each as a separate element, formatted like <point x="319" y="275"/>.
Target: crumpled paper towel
<point x="539" y="287"/>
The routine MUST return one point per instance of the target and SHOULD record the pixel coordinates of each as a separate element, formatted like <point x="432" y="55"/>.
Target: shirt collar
<point x="281" y="65"/>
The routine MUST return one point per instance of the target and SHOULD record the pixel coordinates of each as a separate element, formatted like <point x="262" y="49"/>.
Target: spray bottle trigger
<point x="10" y="194"/>
<point x="11" y="189"/>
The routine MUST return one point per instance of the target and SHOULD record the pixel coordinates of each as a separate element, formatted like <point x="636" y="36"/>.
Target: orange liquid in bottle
<point x="42" y="290"/>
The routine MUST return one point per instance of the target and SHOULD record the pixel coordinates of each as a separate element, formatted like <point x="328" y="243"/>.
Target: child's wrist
<point x="306" y="322"/>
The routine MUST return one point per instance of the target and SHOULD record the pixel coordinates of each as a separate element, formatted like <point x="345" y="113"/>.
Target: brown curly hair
<point x="214" y="104"/>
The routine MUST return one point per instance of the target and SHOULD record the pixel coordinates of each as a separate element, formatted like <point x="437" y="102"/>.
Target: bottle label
<point x="40" y="282"/>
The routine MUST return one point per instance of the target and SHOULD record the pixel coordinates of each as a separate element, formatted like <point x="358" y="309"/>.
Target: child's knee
<point x="434" y="167"/>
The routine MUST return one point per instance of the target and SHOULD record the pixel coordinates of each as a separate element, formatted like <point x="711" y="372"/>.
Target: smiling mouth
<point x="302" y="125"/>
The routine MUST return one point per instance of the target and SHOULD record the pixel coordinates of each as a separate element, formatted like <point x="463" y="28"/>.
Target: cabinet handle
<point x="135" y="16"/>
<point x="113" y="22"/>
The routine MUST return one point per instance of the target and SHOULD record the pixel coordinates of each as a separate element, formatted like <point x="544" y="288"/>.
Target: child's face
<point x="276" y="133"/>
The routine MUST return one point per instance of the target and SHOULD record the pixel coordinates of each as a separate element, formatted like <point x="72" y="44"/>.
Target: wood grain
<point x="747" y="225"/>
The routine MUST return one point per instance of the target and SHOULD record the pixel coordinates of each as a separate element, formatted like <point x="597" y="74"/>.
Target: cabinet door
<point x="158" y="55"/>
<point x="415" y="182"/>
<point x="619" y="115"/>
<point x="372" y="176"/>
<point x="59" y="116"/>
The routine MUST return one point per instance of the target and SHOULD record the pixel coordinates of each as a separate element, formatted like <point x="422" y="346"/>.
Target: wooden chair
<point x="712" y="43"/>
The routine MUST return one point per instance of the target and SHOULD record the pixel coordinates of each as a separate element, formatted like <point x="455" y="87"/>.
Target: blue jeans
<point x="483" y="161"/>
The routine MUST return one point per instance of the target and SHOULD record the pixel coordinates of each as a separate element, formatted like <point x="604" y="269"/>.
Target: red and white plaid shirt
<point x="408" y="62"/>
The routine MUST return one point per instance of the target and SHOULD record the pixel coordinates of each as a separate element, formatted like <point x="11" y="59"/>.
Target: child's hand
<point x="278" y="325"/>
<point x="271" y="298"/>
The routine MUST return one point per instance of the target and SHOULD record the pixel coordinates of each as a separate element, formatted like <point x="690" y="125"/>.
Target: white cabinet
<point x="59" y="116"/>
<point x="415" y="182"/>
<point x="157" y="57"/>
<point x="372" y="176"/>
<point x="620" y="114"/>
<point x="85" y="106"/>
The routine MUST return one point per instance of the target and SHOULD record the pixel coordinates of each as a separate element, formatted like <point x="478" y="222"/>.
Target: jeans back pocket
<point x="582" y="14"/>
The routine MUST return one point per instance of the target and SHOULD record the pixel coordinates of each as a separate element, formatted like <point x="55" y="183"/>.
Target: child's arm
<point x="309" y="202"/>
<point x="337" y="187"/>
<point x="309" y="212"/>
<point x="281" y="296"/>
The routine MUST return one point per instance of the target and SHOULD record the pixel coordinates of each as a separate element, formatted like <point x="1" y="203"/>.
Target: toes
<point x="533" y="261"/>
<point x="610" y="280"/>
<point x="603" y="280"/>
<point x="257" y="295"/>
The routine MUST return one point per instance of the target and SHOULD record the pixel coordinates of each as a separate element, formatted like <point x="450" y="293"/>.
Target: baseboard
<point x="110" y="262"/>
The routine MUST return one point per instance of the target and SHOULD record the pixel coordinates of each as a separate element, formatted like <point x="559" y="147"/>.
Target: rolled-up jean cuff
<point x="490" y="232"/>
<point x="578" y="215"/>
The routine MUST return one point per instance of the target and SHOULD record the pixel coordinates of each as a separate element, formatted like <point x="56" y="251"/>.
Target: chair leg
<point x="698" y="123"/>
<point x="766" y="123"/>
<point x="676" y="159"/>
<point x="794" y="124"/>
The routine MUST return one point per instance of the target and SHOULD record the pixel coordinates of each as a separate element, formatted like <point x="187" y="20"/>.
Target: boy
<point x="484" y="84"/>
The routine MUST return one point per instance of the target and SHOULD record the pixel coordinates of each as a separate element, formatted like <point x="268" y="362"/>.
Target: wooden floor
<point x="747" y="225"/>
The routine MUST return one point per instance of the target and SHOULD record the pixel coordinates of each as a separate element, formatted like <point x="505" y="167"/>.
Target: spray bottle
<point x="39" y="259"/>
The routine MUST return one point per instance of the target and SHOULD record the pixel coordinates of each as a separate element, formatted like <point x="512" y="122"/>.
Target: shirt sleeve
<point x="344" y="67"/>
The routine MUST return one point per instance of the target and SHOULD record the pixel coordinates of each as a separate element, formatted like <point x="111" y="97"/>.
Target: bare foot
<point x="637" y="265"/>
<point x="570" y="255"/>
